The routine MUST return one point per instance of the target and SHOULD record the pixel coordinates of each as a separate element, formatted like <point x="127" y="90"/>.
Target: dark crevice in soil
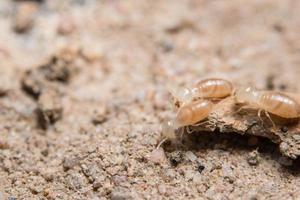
<point x="231" y="142"/>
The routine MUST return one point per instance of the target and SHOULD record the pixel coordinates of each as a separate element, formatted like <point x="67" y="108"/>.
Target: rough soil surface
<point x="83" y="94"/>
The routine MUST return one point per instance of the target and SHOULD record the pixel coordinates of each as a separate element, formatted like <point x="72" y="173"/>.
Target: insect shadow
<point x="231" y="142"/>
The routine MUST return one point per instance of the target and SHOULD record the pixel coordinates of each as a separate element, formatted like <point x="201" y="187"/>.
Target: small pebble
<point x="252" y="195"/>
<point x="162" y="189"/>
<point x="69" y="162"/>
<point x="285" y="161"/>
<point x="211" y="166"/>
<point x="4" y="145"/>
<point x="45" y="152"/>
<point x="189" y="174"/>
<point x="46" y="192"/>
<point x="197" y="179"/>
<point x="284" y="129"/>
<point x="24" y="17"/>
<point x="278" y="27"/>
<point x="49" y="108"/>
<point x="36" y="188"/>
<point x="159" y="101"/>
<point x="282" y="87"/>
<point x="253" y="158"/>
<point x="96" y="185"/>
<point x="296" y="137"/>
<point x="100" y="115"/>
<point x="191" y="156"/>
<point x="157" y="156"/>
<point x="270" y="82"/>
<point x="3" y="92"/>
<point x="229" y="179"/>
<point x="66" y="26"/>
<point x="119" y="179"/>
<point x="120" y="193"/>
<point x="228" y="173"/>
<point x="176" y="158"/>
<point x="200" y="168"/>
<point x="283" y="146"/>
<point x="47" y="174"/>
<point x="167" y="46"/>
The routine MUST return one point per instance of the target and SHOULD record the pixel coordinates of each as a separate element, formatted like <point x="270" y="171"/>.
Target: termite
<point x="213" y="88"/>
<point x="188" y="114"/>
<point x="273" y="102"/>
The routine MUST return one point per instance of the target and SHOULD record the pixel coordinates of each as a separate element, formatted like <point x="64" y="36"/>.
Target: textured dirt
<point x="83" y="94"/>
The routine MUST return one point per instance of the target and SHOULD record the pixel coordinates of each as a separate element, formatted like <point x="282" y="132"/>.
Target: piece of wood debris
<point x="226" y="119"/>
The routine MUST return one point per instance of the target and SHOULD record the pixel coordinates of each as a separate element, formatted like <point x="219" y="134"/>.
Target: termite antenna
<point x="168" y="131"/>
<point x="161" y="143"/>
<point x="269" y="117"/>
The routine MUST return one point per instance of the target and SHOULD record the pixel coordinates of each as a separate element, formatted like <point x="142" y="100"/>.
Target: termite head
<point x="246" y="95"/>
<point x="168" y="129"/>
<point x="181" y="94"/>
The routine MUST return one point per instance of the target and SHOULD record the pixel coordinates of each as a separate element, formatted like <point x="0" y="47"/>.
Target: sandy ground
<point x="83" y="94"/>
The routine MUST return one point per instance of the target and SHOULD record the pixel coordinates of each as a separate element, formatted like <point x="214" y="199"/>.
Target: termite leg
<point x="188" y="130"/>
<point x="269" y="117"/>
<point x="210" y="124"/>
<point x="181" y="133"/>
<point x="259" y="116"/>
<point x="200" y="123"/>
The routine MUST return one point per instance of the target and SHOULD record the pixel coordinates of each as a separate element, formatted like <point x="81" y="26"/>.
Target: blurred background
<point x="183" y="40"/>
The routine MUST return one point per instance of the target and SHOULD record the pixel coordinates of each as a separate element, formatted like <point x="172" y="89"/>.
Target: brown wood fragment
<point x="226" y="119"/>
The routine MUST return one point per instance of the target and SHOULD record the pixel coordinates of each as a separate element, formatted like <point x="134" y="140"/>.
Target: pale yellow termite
<point x="273" y="102"/>
<point x="213" y="88"/>
<point x="188" y="114"/>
